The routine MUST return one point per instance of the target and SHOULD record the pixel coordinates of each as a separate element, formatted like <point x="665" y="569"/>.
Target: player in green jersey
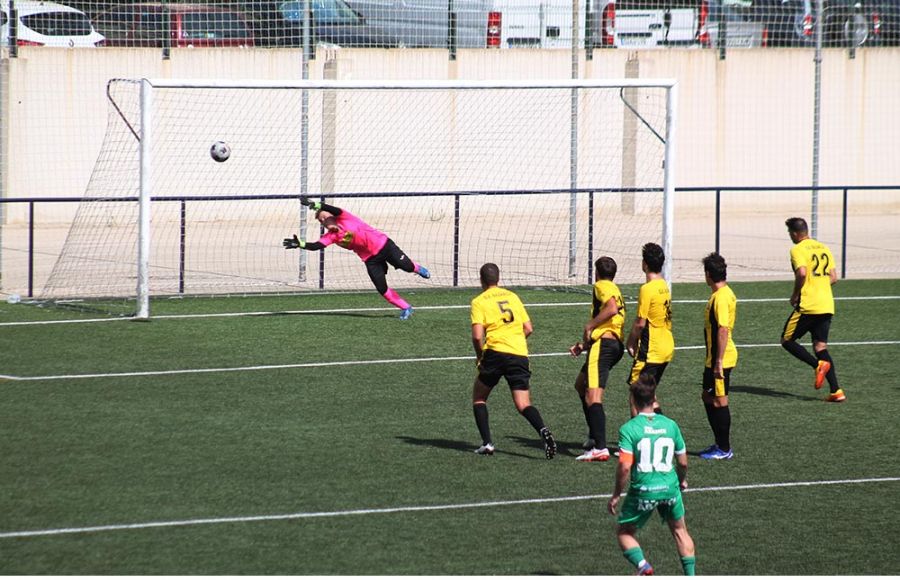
<point x="813" y="302"/>
<point x="652" y="453"/>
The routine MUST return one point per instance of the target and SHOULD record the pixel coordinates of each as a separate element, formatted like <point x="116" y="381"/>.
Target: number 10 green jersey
<point x="653" y="441"/>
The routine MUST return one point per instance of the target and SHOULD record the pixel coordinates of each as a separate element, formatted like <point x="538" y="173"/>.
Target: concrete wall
<point x="746" y="120"/>
<point x="743" y="121"/>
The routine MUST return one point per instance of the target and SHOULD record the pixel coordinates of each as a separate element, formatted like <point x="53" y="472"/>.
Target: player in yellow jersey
<point x="500" y="328"/>
<point x="650" y="341"/>
<point x="602" y="339"/>
<point x="721" y="356"/>
<point x="813" y="302"/>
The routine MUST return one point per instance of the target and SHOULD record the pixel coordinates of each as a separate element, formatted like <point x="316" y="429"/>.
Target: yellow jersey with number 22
<point x="815" y="295"/>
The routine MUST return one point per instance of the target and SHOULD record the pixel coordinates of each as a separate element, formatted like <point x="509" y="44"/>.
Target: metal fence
<point x="456" y="24"/>
<point x="863" y="237"/>
<point x="752" y="75"/>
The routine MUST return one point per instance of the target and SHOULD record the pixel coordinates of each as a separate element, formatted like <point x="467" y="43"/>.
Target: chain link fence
<point x="458" y="24"/>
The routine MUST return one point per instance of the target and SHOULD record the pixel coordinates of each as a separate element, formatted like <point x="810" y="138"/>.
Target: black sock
<point x="597" y="424"/>
<point x="796" y="349"/>
<point x="710" y="411"/>
<point x="481" y="420"/>
<point x="831" y="375"/>
<point x="584" y="407"/>
<point x="722" y="427"/>
<point x="534" y="417"/>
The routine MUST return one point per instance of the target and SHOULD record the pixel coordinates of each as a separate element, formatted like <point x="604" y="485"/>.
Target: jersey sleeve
<point x="477" y="314"/>
<point x="723" y="312"/>
<point x="626" y="445"/>
<point x="524" y="313"/>
<point x="680" y="447"/>
<point x="797" y="257"/>
<point x="643" y="310"/>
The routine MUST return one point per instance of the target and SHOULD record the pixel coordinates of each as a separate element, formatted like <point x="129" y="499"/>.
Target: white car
<point x="48" y="24"/>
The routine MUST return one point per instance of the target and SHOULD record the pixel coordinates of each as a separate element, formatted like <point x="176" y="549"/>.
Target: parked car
<point x="735" y="24"/>
<point x="48" y="24"/>
<point x="885" y="23"/>
<point x="487" y="23"/>
<point x="845" y="22"/>
<point x="660" y="23"/>
<point x="280" y="23"/>
<point x="157" y="24"/>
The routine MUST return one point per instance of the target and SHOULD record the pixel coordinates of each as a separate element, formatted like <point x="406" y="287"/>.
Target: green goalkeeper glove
<point x="292" y="243"/>
<point x="313" y="205"/>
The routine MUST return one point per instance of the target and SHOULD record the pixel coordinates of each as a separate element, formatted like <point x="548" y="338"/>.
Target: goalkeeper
<point x="372" y="246"/>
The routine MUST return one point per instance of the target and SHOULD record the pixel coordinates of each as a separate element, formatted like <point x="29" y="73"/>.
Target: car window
<point x="151" y="26"/>
<point x="58" y="23"/>
<point x="213" y="25"/>
<point x="733" y="10"/>
<point x="326" y="12"/>
<point x="115" y="23"/>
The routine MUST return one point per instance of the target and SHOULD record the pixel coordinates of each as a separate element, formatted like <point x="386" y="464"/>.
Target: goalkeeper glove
<point x="295" y="242"/>
<point x="313" y="205"/>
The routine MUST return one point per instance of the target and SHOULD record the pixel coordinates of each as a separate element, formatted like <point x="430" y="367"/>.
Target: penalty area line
<point x="362" y="362"/>
<point x="408" y="509"/>
<point x="263" y="313"/>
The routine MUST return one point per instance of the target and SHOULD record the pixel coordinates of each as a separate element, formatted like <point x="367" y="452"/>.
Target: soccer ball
<point x="220" y="151"/>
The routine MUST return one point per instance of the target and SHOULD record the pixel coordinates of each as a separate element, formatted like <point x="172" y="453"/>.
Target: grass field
<point x="336" y="439"/>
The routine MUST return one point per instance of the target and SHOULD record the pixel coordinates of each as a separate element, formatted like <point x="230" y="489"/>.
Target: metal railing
<point x="718" y="192"/>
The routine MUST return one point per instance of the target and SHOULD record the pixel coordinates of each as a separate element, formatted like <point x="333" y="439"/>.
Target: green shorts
<point x="637" y="511"/>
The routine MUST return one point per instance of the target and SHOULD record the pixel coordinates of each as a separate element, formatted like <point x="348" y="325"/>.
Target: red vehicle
<point x="154" y="24"/>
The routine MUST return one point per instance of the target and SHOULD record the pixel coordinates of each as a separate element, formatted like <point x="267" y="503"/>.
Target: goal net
<point x="541" y="178"/>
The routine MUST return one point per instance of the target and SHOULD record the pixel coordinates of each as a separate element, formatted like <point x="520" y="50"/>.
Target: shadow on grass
<point x="563" y="448"/>
<point x="764" y="392"/>
<point x="463" y="446"/>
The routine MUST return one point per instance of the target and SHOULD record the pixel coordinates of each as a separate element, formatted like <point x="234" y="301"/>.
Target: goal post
<point x="540" y="177"/>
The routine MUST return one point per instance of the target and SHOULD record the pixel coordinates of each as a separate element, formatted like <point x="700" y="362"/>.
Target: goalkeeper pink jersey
<point x="355" y="234"/>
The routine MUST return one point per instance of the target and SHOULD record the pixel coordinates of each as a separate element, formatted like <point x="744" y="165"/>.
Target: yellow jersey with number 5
<point x="503" y="316"/>
<point x="815" y="295"/>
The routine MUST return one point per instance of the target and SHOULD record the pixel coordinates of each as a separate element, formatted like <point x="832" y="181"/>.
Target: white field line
<point x="364" y="362"/>
<point x="409" y="509"/>
<point x="385" y="309"/>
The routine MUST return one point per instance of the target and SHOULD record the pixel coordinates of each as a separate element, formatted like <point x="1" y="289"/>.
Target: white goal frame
<point x="147" y="168"/>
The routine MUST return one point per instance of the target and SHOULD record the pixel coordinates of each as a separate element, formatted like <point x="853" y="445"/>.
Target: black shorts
<point x="817" y="325"/>
<point x="641" y="368"/>
<point x="377" y="265"/>
<point x="496" y="365"/>
<point x="714" y="387"/>
<point x="602" y="356"/>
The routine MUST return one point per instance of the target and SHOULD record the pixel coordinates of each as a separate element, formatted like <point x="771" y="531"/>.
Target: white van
<point x="658" y="24"/>
<point x="484" y="23"/>
<point x="48" y="24"/>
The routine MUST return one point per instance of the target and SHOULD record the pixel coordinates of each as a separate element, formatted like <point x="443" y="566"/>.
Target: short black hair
<point x="643" y="391"/>
<point x="653" y="256"/>
<point x="605" y="268"/>
<point x="796" y="225"/>
<point x="715" y="266"/>
<point x="490" y="274"/>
